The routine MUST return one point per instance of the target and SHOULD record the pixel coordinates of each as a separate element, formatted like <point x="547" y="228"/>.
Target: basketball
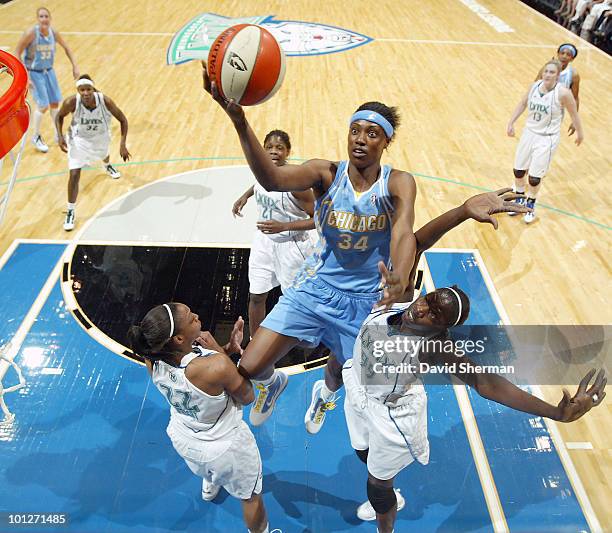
<point x="247" y="64"/>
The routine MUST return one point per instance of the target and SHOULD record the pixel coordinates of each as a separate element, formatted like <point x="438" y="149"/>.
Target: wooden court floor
<point x="456" y="81"/>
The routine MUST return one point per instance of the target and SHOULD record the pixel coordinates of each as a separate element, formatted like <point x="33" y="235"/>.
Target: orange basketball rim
<point x="14" y="111"/>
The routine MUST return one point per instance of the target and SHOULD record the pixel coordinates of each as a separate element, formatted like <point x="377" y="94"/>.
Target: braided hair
<point x="282" y="135"/>
<point x="151" y="338"/>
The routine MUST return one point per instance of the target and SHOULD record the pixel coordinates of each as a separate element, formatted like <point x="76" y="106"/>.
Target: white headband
<point x="460" y="306"/>
<point x="84" y="81"/>
<point x="172" y="320"/>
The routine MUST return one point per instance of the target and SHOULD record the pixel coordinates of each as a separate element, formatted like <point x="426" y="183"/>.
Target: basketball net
<point x="5" y="364"/>
<point x="14" y="119"/>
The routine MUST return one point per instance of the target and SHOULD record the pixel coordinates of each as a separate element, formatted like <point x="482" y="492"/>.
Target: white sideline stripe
<point x="54" y="371"/>
<point x="579" y="445"/>
<point x="381" y="39"/>
<point x="8" y="253"/>
<point x="178" y="244"/>
<point x="468" y="43"/>
<point x="24" y="328"/>
<point x="561" y="446"/>
<point x="496" y="511"/>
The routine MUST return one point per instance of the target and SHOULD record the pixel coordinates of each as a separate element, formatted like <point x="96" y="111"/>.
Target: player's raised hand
<point x="206" y="340"/>
<point x="233" y="110"/>
<point x="393" y="289"/>
<point x="482" y="206"/>
<point x="572" y="408"/>
<point x="235" y="342"/>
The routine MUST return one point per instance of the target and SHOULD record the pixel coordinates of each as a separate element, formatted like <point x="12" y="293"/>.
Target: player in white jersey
<point x="386" y="403"/>
<point x="569" y="77"/>
<point x="206" y="393"/>
<point x="283" y="240"/>
<point x="88" y="137"/>
<point x="546" y="100"/>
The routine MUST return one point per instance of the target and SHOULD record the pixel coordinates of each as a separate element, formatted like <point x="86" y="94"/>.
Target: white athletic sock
<point x="519" y="185"/>
<point x="269" y="381"/>
<point x="36" y="123"/>
<point x="71" y="207"/>
<point x="327" y="394"/>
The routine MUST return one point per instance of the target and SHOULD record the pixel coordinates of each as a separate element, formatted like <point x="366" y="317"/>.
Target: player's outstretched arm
<point x="25" y="41"/>
<point x="271" y="177"/>
<point x="68" y="106"/>
<point x="498" y="389"/>
<point x="120" y="116"/>
<point x="518" y="111"/>
<point x="402" y="188"/>
<point x="60" y="40"/>
<point x="480" y="208"/>
<point x="567" y="99"/>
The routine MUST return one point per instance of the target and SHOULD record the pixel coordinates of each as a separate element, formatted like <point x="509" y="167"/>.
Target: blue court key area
<point x="533" y="486"/>
<point x="89" y="440"/>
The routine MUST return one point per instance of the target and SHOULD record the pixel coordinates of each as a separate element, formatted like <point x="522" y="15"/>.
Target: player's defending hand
<point x="235" y="342"/>
<point x="206" y="340"/>
<point x="393" y="289"/>
<point x="572" y="408"/>
<point x="238" y="205"/>
<point x="271" y="226"/>
<point x="123" y="152"/>
<point x="482" y="206"/>
<point x="233" y="110"/>
<point x="579" y="138"/>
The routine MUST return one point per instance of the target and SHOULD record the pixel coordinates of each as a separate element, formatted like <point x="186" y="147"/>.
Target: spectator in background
<point x="598" y="9"/>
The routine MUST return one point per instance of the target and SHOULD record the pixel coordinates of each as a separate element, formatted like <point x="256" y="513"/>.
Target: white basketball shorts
<point x="233" y="463"/>
<point x="276" y="263"/>
<point x="81" y="155"/>
<point x="394" y="436"/>
<point x="535" y="152"/>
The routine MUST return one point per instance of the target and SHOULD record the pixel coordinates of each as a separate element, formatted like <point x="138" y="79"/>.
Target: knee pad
<point x="519" y="173"/>
<point x="363" y="455"/>
<point x="382" y="498"/>
<point x="534" y="182"/>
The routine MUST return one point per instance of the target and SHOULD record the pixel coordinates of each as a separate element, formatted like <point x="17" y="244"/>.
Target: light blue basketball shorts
<point x="316" y="312"/>
<point x="46" y="88"/>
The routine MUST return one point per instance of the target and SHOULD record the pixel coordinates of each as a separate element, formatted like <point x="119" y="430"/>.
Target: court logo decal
<point x="297" y="38"/>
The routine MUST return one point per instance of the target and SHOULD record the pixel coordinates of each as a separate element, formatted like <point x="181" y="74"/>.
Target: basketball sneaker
<point x="315" y="416"/>
<point x="39" y="144"/>
<point x="366" y="512"/>
<point x="112" y="171"/>
<point x="69" y="222"/>
<point x="519" y="201"/>
<point x="530" y="217"/>
<point x="264" y="404"/>
<point x="209" y="490"/>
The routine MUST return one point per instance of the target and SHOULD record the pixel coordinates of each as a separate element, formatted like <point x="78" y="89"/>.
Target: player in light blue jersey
<point x="38" y="43"/>
<point x="364" y="213"/>
<point x="569" y="77"/>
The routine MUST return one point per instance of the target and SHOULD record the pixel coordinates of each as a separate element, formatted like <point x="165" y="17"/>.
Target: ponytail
<point x="150" y="339"/>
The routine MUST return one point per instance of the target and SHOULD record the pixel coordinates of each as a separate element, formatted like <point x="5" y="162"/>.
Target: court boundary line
<point x="28" y="321"/>
<point x="8" y="253"/>
<point x="233" y="158"/>
<point x="479" y="454"/>
<point x="551" y="425"/>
